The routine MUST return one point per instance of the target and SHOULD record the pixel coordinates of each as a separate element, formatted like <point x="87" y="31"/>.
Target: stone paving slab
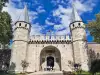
<point x="47" y="73"/>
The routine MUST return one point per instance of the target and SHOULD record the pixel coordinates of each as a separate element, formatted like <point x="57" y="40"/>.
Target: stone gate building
<point x="59" y="52"/>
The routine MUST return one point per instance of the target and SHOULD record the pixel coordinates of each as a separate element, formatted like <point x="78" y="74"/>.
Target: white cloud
<point x="63" y="32"/>
<point x="40" y="9"/>
<point x="48" y="22"/>
<point x="35" y="30"/>
<point x="66" y="16"/>
<point x="14" y="12"/>
<point x="32" y="15"/>
<point x="18" y="14"/>
<point x="58" y="27"/>
<point x="65" y="19"/>
<point x="84" y="7"/>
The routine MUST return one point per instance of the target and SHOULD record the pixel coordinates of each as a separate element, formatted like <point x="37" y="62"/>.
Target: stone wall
<point x="35" y="48"/>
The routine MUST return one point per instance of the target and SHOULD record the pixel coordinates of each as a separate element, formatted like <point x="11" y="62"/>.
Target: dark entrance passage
<point x="50" y="62"/>
<point x="50" y="59"/>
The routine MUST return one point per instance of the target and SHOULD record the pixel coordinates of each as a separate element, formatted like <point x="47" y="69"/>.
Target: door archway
<point x="50" y="56"/>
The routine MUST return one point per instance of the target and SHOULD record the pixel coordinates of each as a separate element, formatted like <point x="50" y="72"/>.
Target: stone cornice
<point x="21" y="27"/>
<point x="74" y="22"/>
<point x="50" y="41"/>
<point x="20" y="40"/>
<point x="80" y="40"/>
<point x="78" y="27"/>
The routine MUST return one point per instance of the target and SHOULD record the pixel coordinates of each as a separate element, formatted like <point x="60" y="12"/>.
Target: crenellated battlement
<point x="50" y="42"/>
<point x="49" y="37"/>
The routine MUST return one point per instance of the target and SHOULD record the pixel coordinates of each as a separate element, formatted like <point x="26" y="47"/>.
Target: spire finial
<point x="26" y="16"/>
<point x="75" y="15"/>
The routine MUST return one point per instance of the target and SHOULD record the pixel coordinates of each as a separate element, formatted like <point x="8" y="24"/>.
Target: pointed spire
<point x="26" y="16"/>
<point x="75" y="15"/>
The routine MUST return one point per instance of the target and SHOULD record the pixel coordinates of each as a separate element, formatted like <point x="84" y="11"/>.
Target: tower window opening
<point x="25" y="25"/>
<point x="79" y="24"/>
<point x="19" y="24"/>
<point x="73" y="25"/>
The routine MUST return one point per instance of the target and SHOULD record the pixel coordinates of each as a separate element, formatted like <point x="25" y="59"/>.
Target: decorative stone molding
<point x="21" y="27"/>
<point x="20" y="40"/>
<point x="50" y="42"/>
<point x="76" y="27"/>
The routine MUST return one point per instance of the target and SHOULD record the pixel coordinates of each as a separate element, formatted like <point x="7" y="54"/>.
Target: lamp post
<point x="77" y="68"/>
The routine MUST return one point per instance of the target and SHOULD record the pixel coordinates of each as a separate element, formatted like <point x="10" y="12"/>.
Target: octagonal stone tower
<point x="78" y="33"/>
<point x="20" y="43"/>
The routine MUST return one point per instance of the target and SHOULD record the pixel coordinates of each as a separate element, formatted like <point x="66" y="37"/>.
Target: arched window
<point x="19" y="24"/>
<point x="73" y="25"/>
<point x="79" y="24"/>
<point x="25" y="25"/>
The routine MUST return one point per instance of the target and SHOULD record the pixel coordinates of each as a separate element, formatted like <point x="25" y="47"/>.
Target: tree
<point x="94" y="28"/>
<point x="24" y="65"/>
<point x="2" y="4"/>
<point x="95" y="66"/>
<point x="5" y="25"/>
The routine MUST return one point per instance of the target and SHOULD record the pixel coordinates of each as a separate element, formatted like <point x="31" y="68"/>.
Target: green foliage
<point x="2" y="4"/>
<point x="5" y="25"/>
<point x="24" y="65"/>
<point x="83" y="73"/>
<point x="95" y="66"/>
<point x="9" y="74"/>
<point x="5" y="28"/>
<point x="94" y="28"/>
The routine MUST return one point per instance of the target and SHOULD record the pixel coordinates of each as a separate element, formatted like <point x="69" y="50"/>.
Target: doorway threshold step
<point x="47" y="73"/>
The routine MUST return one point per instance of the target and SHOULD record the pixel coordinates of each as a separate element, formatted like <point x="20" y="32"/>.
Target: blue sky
<point x="54" y="15"/>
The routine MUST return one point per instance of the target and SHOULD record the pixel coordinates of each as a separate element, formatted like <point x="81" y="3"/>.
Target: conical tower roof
<point x="26" y="16"/>
<point x="75" y="15"/>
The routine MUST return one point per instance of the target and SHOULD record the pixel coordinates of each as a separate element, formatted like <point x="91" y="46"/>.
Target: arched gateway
<point x="39" y="50"/>
<point x="50" y="59"/>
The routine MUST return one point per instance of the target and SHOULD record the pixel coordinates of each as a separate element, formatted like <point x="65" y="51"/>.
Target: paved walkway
<point x="47" y="73"/>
